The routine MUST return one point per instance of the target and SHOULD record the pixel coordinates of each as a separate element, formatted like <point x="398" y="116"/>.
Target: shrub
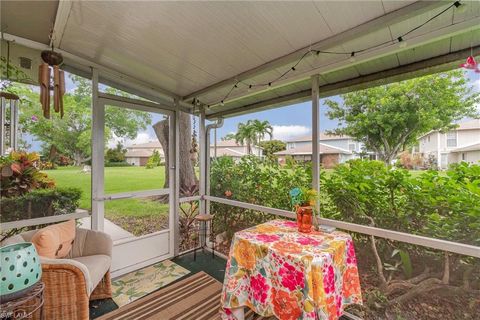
<point x="116" y="154"/>
<point x="154" y="160"/>
<point x="252" y="180"/>
<point x="40" y="203"/>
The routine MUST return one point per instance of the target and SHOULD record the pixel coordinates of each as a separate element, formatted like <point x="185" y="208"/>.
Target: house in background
<point x="332" y="140"/>
<point x="138" y="154"/>
<point x="329" y="156"/>
<point x="232" y="149"/>
<point x="334" y="149"/>
<point x="460" y="144"/>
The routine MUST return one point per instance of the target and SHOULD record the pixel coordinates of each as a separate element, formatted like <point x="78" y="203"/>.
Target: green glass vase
<point x="20" y="270"/>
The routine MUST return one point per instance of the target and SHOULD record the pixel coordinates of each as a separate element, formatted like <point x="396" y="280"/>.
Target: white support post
<point x="315" y="135"/>
<point x="98" y="146"/>
<point x="2" y="125"/>
<point x="14" y="121"/>
<point x="174" y="179"/>
<point x="12" y="125"/>
<point x="203" y="159"/>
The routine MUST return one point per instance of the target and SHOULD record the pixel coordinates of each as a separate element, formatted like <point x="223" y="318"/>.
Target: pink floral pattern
<point x="291" y="275"/>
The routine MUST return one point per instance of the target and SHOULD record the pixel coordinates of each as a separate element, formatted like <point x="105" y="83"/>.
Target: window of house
<point x="291" y="145"/>
<point x="452" y="139"/>
<point x="351" y="146"/>
<point x="463" y="156"/>
<point x="428" y="138"/>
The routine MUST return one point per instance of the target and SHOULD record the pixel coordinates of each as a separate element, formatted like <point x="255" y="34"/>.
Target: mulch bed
<point x="140" y="225"/>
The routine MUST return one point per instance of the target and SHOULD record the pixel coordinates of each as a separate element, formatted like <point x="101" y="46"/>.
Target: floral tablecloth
<point x="275" y="270"/>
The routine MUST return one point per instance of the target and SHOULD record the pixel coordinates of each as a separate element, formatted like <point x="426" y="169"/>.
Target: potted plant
<point x="303" y="201"/>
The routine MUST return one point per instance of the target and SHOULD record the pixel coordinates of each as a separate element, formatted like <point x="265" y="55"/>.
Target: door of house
<point x="130" y="200"/>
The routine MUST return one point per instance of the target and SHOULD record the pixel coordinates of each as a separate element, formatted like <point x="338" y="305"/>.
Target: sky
<point x="288" y="122"/>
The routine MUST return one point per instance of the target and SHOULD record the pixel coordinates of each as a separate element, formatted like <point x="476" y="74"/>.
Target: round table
<point x="29" y="306"/>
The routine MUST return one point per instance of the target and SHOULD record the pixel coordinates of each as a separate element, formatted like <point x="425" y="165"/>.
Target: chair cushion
<point x="97" y="266"/>
<point x="55" y="241"/>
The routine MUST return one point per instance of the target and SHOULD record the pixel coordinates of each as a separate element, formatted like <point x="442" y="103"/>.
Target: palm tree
<point x="246" y="134"/>
<point x="261" y="128"/>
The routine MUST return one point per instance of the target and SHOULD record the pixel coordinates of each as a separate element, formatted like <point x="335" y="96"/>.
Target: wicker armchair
<point x="84" y="275"/>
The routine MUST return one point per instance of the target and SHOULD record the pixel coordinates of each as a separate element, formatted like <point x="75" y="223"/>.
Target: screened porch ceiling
<point x="187" y="50"/>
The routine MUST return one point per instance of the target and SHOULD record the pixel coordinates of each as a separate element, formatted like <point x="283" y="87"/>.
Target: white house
<point x="138" y="154"/>
<point x="336" y="141"/>
<point x="460" y="144"/>
<point x="334" y="149"/>
<point x="232" y="149"/>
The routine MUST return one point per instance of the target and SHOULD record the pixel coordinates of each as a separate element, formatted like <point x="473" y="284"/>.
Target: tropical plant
<point x="252" y="132"/>
<point x="20" y="174"/>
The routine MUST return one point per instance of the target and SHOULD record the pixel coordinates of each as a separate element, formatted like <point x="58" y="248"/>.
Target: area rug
<point x="139" y="283"/>
<point x="196" y="297"/>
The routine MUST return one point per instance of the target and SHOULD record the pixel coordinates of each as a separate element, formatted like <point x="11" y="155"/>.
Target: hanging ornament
<point x="52" y="61"/>
<point x="194" y="149"/>
<point x="470" y="64"/>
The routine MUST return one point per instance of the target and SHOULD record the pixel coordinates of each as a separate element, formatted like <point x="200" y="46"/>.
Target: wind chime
<point x="52" y="61"/>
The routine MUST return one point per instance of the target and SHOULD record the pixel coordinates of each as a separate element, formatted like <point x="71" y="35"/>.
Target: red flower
<point x="259" y="288"/>
<point x="228" y="193"/>
<point x="291" y="278"/>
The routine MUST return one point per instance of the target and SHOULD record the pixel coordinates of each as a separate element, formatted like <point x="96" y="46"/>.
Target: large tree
<point x="71" y="135"/>
<point x="389" y="118"/>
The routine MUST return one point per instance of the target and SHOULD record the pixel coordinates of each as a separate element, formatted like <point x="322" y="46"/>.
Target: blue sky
<point x="288" y="122"/>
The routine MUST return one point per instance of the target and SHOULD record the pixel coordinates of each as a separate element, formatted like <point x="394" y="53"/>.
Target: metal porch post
<point x="174" y="179"/>
<point x="98" y="146"/>
<point x="203" y="159"/>
<point x="315" y="135"/>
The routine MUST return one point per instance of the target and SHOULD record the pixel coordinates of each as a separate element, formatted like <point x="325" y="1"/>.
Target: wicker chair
<point x="84" y="275"/>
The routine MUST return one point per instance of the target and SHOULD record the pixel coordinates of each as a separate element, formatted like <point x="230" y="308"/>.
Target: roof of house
<point x="230" y="143"/>
<point x="323" y="136"/>
<point x="472" y="147"/>
<point x="227" y="152"/>
<point x="469" y="125"/>
<point x="147" y="145"/>
<point x="466" y="125"/>
<point x="138" y="154"/>
<point x="307" y="150"/>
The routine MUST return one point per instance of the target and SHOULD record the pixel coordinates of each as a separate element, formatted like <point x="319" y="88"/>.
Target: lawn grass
<point x="117" y="179"/>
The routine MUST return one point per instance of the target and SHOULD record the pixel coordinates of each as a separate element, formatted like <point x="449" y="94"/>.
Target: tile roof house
<point x="232" y="149"/>
<point x="138" y="154"/>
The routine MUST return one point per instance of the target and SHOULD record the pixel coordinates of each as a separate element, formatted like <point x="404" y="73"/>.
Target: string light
<point x="460" y="7"/>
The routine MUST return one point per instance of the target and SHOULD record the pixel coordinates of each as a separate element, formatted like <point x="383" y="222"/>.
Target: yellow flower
<point x="244" y="253"/>
<point x="265" y="228"/>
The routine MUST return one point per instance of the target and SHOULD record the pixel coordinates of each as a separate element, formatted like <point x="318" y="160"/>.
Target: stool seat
<point x="203" y="217"/>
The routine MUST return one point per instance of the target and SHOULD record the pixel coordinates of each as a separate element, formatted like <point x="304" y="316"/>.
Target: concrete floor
<point x="116" y="232"/>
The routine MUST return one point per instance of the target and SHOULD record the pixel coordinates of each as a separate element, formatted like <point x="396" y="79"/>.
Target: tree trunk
<point x="187" y="170"/>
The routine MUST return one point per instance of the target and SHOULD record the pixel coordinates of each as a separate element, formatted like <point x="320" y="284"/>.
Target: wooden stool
<point x="203" y="220"/>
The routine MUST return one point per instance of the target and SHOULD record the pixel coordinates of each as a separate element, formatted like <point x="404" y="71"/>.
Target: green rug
<point x="137" y="284"/>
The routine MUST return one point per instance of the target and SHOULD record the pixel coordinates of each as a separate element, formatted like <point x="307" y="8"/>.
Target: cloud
<point x="142" y="137"/>
<point x="289" y="132"/>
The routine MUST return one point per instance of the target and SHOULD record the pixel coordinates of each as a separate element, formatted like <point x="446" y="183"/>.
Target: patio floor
<point x="214" y="267"/>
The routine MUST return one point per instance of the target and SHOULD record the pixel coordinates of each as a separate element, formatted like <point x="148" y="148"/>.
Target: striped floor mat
<point x="194" y="298"/>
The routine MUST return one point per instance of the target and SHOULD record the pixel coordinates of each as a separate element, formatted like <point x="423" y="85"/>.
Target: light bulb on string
<point x="401" y="42"/>
<point x="460" y="7"/>
<point x="352" y="57"/>
<point x="249" y="88"/>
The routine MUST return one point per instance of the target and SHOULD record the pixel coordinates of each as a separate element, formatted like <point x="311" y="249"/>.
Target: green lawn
<point x="117" y="179"/>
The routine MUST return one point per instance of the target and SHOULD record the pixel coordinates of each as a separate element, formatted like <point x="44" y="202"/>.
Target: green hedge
<point x="40" y="203"/>
<point x="117" y="164"/>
